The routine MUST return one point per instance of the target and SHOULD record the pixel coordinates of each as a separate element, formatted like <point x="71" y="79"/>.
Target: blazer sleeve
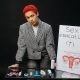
<point x="50" y="43"/>
<point x="21" y="44"/>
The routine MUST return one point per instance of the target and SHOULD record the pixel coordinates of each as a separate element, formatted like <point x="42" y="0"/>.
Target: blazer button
<point x="33" y="51"/>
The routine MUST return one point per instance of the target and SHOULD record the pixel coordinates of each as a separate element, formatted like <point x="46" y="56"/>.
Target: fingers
<point x="13" y="66"/>
<point x="9" y="66"/>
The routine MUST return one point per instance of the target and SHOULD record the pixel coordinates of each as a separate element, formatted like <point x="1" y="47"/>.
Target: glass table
<point x="30" y="73"/>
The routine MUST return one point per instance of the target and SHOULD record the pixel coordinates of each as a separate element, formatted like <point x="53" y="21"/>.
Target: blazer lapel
<point x="31" y="33"/>
<point x="40" y="31"/>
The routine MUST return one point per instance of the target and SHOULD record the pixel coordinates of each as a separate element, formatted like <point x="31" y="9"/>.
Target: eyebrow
<point x="30" y="16"/>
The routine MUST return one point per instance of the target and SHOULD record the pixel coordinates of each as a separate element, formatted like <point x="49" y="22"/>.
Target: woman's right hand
<point x="13" y="65"/>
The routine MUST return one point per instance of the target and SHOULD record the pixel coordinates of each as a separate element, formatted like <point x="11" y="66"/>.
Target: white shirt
<point x="35" y="29"/>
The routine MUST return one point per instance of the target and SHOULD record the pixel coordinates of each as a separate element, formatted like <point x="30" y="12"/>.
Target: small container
<point x="52" y="64"/>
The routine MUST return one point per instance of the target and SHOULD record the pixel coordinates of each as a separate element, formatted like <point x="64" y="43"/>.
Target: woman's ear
<point x="37" y="13"/>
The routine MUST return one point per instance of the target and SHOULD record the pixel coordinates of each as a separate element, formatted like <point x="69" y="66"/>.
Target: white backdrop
<point x="68" y="52"/>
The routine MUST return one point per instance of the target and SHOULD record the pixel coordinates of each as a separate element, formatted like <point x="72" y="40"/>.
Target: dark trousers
<point x="44" y="63"/>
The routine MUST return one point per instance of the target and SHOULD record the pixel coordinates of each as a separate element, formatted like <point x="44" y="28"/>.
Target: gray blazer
<point x="42" y="43"/>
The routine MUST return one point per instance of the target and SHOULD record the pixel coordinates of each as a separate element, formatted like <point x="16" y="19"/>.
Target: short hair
<point x="30" y="7"/>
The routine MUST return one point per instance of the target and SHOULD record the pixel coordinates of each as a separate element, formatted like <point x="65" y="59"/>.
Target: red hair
<point x="30" y="7"/>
